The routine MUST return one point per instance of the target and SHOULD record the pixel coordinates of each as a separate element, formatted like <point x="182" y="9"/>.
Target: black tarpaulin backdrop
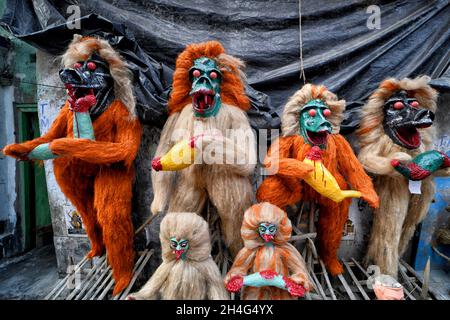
<point x="339" y="50"/>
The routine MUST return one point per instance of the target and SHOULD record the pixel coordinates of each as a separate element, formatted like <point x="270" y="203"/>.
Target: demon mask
<point x="89" y="85"/>
<point x="206" y="78"/>
<point x="402" y="117"/>
<point x="314" y="127"/>
<point x="267" y="231"/>
<point x="179" y="247"/>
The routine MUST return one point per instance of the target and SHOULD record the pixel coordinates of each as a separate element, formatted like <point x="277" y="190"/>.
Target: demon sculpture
<point x="187" y="271"/>
<point x="207" y="149"/>
<point x="312" y="162"/>
<point x="395" y="137"/>
<point x="268" y="266"/>
<point x="94" y="141"/>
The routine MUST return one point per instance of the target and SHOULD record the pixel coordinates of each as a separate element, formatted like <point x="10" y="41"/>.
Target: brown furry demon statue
<point x="208" y="122"/>
<point x="94" y="140"/>
<point x="395" y="137"/>
<point x="313" y="162"/>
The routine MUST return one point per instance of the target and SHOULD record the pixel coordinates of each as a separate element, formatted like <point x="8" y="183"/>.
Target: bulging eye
<point x="173" y="243"/>
<point x="312" y="112"/>
<point x="272" y="229"/>
<point x="91" y="66"/>
<point x="399" y="105"/>
<point x="414" y="104"/>
<point x="184" y="244"/>
<point x="326" y="112"/>
<point x="213" y="75"/>
<point x="196" y="73"/>
<point x="77" y="65"/>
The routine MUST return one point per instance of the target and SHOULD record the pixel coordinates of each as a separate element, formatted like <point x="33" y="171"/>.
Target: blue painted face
<point x="179" y="247"/>
<point x="314" y="127"/>
<point x="206" y="79"/>
<point x="267" y="231"/>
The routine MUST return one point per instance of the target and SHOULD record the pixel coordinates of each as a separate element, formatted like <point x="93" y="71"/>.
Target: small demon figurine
<point x="94" y="140"/>
<point x="207" y="119"/>
<point x="268" y="266"/>
<point x="395" y="136"/>
<point x="312" y="162"/>
<point x="187" y="271"/>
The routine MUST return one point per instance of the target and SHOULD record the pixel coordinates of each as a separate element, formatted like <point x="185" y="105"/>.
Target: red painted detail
<point x="295" y="289"/>
<point x="83" y="104"/>
<point x="267" y="237"/>
<point x="395" y="163"/>
<point x="399" y="105"/>
<point x="156" y="164"/>
<point x="315" y="153"/>
<point x="213" y="75"/>
<point x="196" y="73"/>
<point x="312" y="112"/>
<point x="77" y="65"/>
<point x="326" y="112"/>
<point x="446" y="162"/>
<point x="235" y="284"/>
<point x="415" y="104"/>
<point x="91" y="66"/>
<point x="417" y="172"/>
<point x="178" y="253"/>
<point x="268" y="274"/>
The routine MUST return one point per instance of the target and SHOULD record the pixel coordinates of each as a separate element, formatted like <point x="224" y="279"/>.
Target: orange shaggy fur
<point x="286" y="187"/>
<point x="232" y="89"/>
<point x="282" y="257"/>
<point x="96" y="176"/>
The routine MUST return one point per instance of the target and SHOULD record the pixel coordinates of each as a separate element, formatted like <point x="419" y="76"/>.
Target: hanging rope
<point x="33" y="83"/>
<point x="302" y="70"/>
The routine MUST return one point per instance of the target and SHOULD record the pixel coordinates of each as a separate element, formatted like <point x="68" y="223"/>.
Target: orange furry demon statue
<point x="207" y="113"/>
<point x="94" y="140"/>
<point x="268" y="266"/>
<point x="304" y="161"/>
<point x="396" y="137"/>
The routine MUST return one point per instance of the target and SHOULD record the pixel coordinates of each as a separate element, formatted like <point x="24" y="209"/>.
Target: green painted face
<point x="267" y="231"/>
<point x="205" y="91"/>
<point x="314" y="127"/>
<point x="179" y="247"/>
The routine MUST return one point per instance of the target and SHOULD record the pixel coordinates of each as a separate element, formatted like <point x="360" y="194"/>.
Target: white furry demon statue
<point x="395" y="137"/>
<point x="208" y="122"/>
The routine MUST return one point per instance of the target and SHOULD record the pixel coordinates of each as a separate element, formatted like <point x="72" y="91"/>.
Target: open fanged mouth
<point x="317" y="138"/>
<point x="78" y="92"/>
<point x="203" y="100"/>
<point x="80" y="98"/>
<point x="409" y="135"/>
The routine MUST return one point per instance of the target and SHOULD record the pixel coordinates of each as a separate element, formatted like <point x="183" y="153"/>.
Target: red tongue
<point x="201" y="104"/>
<point x="267" y="237"/>
<point x="83" y="104"/>
<point x="178" y="254"/>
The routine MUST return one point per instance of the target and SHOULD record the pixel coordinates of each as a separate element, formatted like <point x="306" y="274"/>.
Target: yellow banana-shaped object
<point x="180" y="156"/>
<point x="323" y="181"/>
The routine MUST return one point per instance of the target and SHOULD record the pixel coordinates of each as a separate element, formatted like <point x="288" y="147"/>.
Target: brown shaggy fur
<point x="226" y="185"/>
<point x="285" y="187"/>
<point x="96" y="176"/>
<point x="196" y="277"/>
<point x="400" y="212"/>
<point x="282" y="257"/>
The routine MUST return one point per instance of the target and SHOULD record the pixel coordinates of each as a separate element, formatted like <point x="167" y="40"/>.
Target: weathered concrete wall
<point x="17" y="75"/>
<point x="8" y="192"/>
